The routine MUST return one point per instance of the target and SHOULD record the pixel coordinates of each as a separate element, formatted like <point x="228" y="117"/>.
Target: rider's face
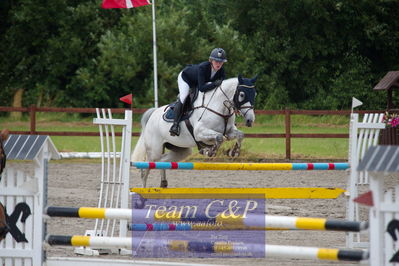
<point x="216" y="65"/>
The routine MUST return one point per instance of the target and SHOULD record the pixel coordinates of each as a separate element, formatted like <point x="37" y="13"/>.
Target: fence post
<point x="32" y="114"/>
<point x="287" y="134"/>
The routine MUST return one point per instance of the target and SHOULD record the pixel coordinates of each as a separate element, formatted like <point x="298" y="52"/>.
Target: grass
<point x="254" y="149"/>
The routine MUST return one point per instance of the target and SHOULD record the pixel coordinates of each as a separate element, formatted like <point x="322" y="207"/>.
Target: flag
<point x="355" y="102"/>
<point x="124" y="3"/>
<point x="127" y="98"/>
<point x="365" y="199"/>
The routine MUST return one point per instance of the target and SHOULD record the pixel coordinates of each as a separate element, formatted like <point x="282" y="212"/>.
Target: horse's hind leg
<point x="164" y="182"/>
<point x="154" y="154"/>
<point x="144" y="176"/>
<point x="174" y="155"/>
<point x="140" y="202"/>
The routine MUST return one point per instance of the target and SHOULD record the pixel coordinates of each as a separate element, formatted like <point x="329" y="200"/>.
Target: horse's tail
<point x="139" y="152"/>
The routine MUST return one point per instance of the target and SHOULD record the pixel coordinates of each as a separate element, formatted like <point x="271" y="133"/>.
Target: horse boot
<point x="178" y="110"/>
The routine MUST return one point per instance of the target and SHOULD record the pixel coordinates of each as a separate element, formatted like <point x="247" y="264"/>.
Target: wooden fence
<point x="32" y="110"/>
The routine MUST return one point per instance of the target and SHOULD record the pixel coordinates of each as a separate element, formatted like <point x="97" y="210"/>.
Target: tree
<point x="310" y="54"/>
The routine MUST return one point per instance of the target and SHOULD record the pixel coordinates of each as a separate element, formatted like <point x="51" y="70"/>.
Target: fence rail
<point x="32" y="110"/>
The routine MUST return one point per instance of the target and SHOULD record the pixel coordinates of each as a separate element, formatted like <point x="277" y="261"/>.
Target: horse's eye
<point x="241" y="96"/>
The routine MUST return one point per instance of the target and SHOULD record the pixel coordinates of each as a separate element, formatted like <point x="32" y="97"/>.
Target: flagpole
<point x="154" y="37"/>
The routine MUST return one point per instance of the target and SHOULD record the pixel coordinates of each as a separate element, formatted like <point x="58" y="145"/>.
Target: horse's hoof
<point x="164" y="183"/>
<point x="232" y="153"/>
<point x="235" y="153"/>
<point x="139" y="203"/>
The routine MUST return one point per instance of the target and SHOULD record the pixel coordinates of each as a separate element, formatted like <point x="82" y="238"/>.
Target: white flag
<point x="355" y="102"/>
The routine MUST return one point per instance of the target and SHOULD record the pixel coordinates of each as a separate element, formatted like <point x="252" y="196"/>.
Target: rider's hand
<point x="217" y="82"/>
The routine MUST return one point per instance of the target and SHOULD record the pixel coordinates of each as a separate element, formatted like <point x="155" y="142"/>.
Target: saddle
<point x="188" y="110"/>
<point x="169" y="113"/>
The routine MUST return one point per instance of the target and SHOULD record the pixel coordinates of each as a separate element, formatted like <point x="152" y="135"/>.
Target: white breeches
<point x="184" y="89"/>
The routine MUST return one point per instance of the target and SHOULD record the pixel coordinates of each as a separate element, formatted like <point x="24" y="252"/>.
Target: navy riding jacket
<point x="199" y="75"/>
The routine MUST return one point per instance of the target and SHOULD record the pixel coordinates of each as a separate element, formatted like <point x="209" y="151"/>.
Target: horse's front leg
<point x="210" y="137"/>
<point x="215" y="148"/>
<point x="235" y="134"/>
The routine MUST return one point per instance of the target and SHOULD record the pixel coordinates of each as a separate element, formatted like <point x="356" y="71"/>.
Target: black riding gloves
<point x="217" y="82"/>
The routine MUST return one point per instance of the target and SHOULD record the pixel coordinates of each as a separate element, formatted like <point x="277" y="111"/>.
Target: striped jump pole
<point x="89" y="213"/>
<point x="240" y="166"/>
<point x="240" y="193"/>
<point x="265" y="222"/>
<point x="269" y="224"/>
<point x="201" y="222"/>
<point x="278" y="251"/>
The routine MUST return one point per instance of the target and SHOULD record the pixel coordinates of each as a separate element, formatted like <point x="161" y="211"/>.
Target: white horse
<point x="212" y="119"/>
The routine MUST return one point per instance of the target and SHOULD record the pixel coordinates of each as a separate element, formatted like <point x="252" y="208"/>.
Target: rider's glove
<point x="217" y="82"/>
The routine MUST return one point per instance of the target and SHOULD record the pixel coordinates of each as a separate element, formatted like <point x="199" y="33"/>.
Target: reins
<point x="225" y="117"/>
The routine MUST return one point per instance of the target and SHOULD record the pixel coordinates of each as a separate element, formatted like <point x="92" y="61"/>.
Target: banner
<point x="124" y="3"/>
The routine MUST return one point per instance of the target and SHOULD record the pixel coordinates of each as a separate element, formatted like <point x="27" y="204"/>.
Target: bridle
<point x="237" y="105"/>
<point x="234" y="107"/>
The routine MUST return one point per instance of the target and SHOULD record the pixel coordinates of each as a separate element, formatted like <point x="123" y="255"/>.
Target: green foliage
<point x="318" y="54"/>
<point x="310" y="54"/>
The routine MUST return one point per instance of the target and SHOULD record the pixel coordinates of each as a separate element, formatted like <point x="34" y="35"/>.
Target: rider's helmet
<point x="218" y="54"/>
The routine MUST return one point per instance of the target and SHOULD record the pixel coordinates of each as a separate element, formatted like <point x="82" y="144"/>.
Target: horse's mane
<point x="230" y="80"/>
<point x="227" y="84"/>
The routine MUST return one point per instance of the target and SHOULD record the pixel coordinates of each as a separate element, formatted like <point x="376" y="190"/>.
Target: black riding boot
<point x="178" y="110"/>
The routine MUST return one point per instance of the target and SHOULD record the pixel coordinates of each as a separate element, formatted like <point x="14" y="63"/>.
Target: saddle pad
<point x="169" y="114"/>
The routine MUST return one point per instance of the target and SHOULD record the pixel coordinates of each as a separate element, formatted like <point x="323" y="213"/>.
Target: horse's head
<point x="244" y="99"/>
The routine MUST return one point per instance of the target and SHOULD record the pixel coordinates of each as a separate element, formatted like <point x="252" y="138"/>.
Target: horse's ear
<point x="240" y="80"/>
<point x="254" y="78"/>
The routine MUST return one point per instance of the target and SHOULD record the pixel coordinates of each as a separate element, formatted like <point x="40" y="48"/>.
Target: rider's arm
<point x="204" y="86"/>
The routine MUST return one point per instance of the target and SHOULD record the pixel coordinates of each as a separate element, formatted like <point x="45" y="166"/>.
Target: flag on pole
<point x="124" y="3"/>
<point x="136" y="3"/>
<point x="127" y="98"/>
<point x="355" y="102"/>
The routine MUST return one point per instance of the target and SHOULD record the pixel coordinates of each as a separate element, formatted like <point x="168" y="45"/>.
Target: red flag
<point x="365" y="199"/>
<point x="124" y="3"/>
<point x="127" y="98"/>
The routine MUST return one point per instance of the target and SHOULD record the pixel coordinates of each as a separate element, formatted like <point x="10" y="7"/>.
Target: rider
<point x="205" y="76"/>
